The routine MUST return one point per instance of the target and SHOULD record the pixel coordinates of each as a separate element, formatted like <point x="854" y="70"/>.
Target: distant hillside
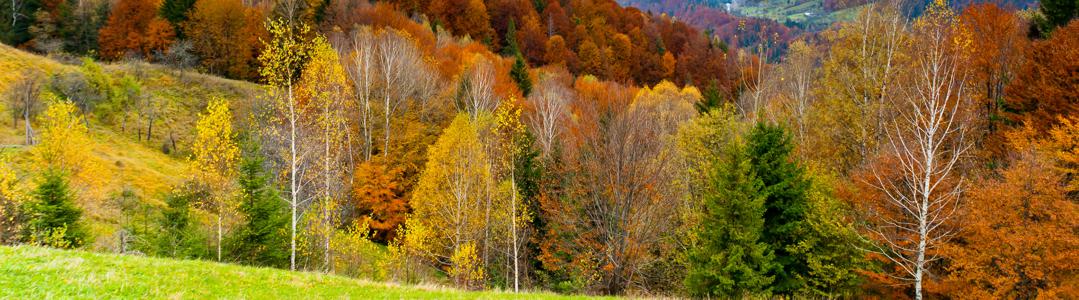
<point x="803" y="14"/>
<point x="41" y="273"/>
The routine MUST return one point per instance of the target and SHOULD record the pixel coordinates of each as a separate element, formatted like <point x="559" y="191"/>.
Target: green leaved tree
<point x="178" y="235"/>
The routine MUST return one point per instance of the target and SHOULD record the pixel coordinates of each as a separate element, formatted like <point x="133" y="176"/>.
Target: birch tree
<point x="22" y="100"/>
<point x="452" y="194"/>
<point x="856" y="81"/>
<point x="403" y="76"/>
<point x="922" y="184"/>
<point x="326" y="89"/>
<point x="479" y="88"/>
<point x="216" y="155"/>
<point x="511" y="146"/>
<point x="359" y="62"/>
<point x="282" y="60"/>
<point x="550" y="105"/>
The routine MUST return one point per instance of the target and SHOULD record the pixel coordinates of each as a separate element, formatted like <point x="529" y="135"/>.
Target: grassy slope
<point x="131" y="163"/>
<point x="38" y="273"/>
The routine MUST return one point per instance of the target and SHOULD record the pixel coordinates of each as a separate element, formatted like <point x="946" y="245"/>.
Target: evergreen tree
<point x="80" y="22"/>
<point x="54" y="218"/>
<point x="786" y="203"/>
<point x="730" y="260"/>
<point x="512" y="48"/>
<point x="179" y="236"/>
<point x="1058" y="13"/>
<point x="262" y="239"/>
<point x="830" y="247"/>
<point x="175" y="11"/>
<point x="710" y="99"/>
<point x="16" y="17"/>
<point x="519" y="73"/>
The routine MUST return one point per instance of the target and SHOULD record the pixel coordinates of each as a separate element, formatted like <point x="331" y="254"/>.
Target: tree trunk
<point x="293" y="186"/>
<point x="219" y="212"/>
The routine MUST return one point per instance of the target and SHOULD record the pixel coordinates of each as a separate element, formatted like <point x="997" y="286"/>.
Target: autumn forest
<point x="914" y="149"/>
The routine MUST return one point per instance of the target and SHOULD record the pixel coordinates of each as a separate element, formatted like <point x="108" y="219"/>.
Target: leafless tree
<point x="550" y="104"/>
<point x="479" y="93"/>
<point x="923" y="189"/>
<point x="359" y="60"/>
<point x="625" y="191"/>
<point x="799" y="74"/>
<point x="22" y="100"/>
<point x="16" y="7"/>
<point x="404" y="76"/>
<point x="180" y="56"/>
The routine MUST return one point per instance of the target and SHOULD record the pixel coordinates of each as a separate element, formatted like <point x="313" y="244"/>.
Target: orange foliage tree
<point x="1019" y="240"/>
<point x="994" y="56"/>
<point x="463" y="17"/>
<point x="134" y="26"/>
<point x="379" y="195"/>
<point x="1045" y="86"/>
<point x="225" y="35"/>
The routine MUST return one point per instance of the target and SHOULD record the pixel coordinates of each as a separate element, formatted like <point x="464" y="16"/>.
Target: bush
<point x="355" y="255"/>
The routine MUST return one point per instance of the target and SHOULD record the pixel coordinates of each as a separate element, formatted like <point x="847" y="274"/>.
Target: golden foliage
<point x="66" y="145"/>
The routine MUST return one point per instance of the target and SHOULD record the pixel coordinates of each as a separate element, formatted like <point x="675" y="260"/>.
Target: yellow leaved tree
<point x="326" y="91"/>
<point x="11" y="198"/>
<point x="66" y="145"/>
<point x="215" y="158"/>
<point x="454" y="196"/>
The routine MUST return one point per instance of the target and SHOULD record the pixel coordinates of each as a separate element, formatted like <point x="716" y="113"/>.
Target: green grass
<point x="41" y="273"/>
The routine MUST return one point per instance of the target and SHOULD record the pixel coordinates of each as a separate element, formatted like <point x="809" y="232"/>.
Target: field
<point x="42" y="273"/>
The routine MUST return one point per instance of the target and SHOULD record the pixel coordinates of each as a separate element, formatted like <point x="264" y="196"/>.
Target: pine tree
<point x="179" y="237"/>
<point x="512" y="47"/>
<point x="16" y="17"/>
<point x="731" y="260"/>
<point x="710" y="98"/>
<point x="786" y="206"/>
<point x="262" y="238"/>
<point x="519" y="73"/>
<point x="175" y="11"/>
<point x="54" y="218"/>
<point x="1058" y="13"/>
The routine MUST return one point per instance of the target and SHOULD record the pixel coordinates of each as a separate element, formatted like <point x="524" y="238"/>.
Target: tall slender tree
<point x="215" y="157"/>
<point x="282" y="63"/>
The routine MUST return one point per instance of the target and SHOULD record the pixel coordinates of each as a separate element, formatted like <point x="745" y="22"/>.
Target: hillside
<point x="133" y="162"/>
<point x="805" y="14"/>
<point x="37" y="273"/>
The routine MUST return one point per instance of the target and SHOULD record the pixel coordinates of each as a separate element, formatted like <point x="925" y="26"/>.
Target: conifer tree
<point x="262" y="237"/>
<point x="512" y="47"/>
<point x="178" y="236"/>
<point x="175" y="11"/>
<point x="784" y="183"/>
<point x="54" y="218"/>
<point x="519" y="73"/>
<point x="731" y="260"/>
